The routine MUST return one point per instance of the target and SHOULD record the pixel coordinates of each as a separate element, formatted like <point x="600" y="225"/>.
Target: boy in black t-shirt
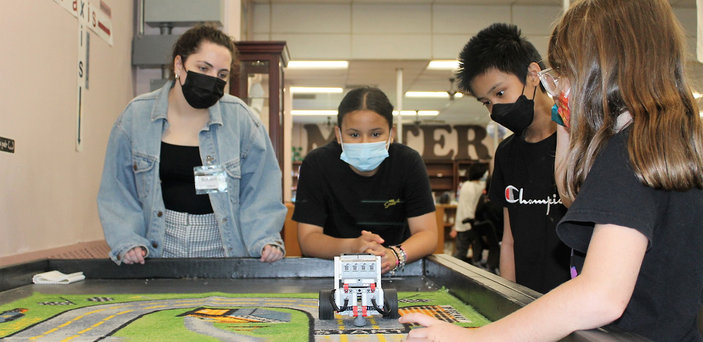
<point x="633" y="171"/>
<point x="364" y="194"/>
<point x="499" y="67"/>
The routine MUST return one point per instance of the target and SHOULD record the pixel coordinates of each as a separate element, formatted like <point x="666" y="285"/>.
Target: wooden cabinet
<point x="290" y="233"/>
<point x="446" y="175"/>
<point x="259" y="82"/>
<point x="441" y="173"/>
<point x="445" y="214"/>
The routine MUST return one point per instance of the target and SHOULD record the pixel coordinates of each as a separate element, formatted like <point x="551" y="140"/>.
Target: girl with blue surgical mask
<point x="362" y="193"/>
<point x="363" y="151"/>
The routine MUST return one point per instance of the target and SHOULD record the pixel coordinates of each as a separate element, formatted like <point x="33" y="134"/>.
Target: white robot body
<point x="357" y="280"/>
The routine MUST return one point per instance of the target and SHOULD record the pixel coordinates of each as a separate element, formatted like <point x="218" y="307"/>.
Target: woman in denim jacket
<point x="189" y="172"/>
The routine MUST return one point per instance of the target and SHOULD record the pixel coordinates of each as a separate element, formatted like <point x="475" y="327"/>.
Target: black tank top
<point x="178" y="181"/>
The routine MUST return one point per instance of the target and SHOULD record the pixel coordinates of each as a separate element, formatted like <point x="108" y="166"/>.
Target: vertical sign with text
<point x="82" y="68"/>
<point x="96" y="17"/>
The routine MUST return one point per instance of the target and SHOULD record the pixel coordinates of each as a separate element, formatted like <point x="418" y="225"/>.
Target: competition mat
<point x="211" y="316"/>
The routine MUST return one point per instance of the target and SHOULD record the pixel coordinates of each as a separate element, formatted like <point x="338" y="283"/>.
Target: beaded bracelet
<point x="402" y="257"/>
<point x="397" y="258"/>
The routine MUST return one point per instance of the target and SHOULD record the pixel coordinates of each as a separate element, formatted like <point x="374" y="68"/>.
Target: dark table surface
<point x="492" y="296"/>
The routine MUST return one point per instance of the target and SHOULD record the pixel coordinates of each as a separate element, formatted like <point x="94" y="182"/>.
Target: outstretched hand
<point x="433" y="329"/>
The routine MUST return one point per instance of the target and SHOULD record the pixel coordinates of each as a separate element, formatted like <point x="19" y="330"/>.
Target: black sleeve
<point x="310" y="201"/>
<point x="611" y="194"/>
<point x="419" y="193"/>
<point x="480" y="213"/>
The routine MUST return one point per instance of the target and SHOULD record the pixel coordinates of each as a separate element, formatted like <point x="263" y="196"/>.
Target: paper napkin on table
<point x="56" y="277"/>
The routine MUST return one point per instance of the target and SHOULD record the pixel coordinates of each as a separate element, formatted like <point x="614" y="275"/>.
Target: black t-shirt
<point x="332" y="196"/>
<point x="523" y="182"/>
<point x="178" y="179"/>
<point x="667" y="295"/>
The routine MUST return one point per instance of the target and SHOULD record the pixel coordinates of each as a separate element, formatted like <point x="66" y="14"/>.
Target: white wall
<point x="47" y="189"/>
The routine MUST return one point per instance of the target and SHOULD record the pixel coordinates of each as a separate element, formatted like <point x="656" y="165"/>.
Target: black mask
<point x="202" y="91"/>
<point x="515" y="116"/>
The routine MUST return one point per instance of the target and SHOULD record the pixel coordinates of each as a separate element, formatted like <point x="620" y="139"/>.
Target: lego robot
<point x="357" y="290"/>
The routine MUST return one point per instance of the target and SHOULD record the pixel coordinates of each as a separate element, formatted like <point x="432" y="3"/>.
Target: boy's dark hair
<point x="189" y="42"/>
<point x="369" y="98"/>
<point x="476" y="171"/>
<point x="499" y="46"/>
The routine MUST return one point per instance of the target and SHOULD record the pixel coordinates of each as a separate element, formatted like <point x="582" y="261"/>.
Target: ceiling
<point x="416" y="77"/>
<point x="383" y="74"/>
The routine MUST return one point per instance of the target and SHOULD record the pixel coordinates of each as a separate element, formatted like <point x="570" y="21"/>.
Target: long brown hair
<point x="628" y="55"/>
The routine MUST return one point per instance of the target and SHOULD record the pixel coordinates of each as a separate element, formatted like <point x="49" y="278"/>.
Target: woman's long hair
<point x="628" y="55"/>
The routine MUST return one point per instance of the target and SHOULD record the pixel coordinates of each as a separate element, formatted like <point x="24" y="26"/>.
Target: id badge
<point x="210" y="179"/>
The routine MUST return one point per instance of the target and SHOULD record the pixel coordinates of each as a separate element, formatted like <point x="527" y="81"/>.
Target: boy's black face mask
<point x="515" y="116"/>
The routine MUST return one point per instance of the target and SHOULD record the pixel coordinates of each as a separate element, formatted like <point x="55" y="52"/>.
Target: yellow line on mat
<point x="375" y="326"/>
<point x="67" y="323"/>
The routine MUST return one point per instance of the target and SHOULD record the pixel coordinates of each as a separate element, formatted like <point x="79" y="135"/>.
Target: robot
<point x="357" y="290"/>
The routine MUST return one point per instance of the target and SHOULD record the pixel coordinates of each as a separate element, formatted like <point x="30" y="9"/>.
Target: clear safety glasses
<point x="550" y="81"/>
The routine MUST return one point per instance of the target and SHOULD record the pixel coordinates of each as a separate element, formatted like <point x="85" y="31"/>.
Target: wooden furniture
<point x="445" y="221"/>
<point x="447" y="174"/>
<point x="259" y="83"/>
<point x="290" y="233"/>
<point x="441" y="173"/>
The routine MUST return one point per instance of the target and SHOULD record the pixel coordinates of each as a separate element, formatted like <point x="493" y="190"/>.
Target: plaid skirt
<point x="191" y="236"/>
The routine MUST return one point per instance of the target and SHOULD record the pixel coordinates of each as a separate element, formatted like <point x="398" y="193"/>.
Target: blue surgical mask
<point x="365" y="156"/>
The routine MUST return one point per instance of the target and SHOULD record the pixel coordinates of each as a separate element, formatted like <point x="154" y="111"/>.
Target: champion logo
<point x="509" y="196"/>
<point x="511" y="192"/>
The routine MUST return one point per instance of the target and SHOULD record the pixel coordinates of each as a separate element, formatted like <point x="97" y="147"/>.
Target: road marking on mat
<point x="67" y="323"/>
<point x="95" y="325"/>
<point x="340" y="324"/>
<point x="375" y="326"/>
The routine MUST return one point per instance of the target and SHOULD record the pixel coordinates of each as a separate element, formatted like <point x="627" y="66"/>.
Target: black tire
<point x="390" y="303"/>
<point x="325" y="311"/>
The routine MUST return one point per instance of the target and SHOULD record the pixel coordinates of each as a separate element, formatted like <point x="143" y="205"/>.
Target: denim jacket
<point x="249" y="215"/>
